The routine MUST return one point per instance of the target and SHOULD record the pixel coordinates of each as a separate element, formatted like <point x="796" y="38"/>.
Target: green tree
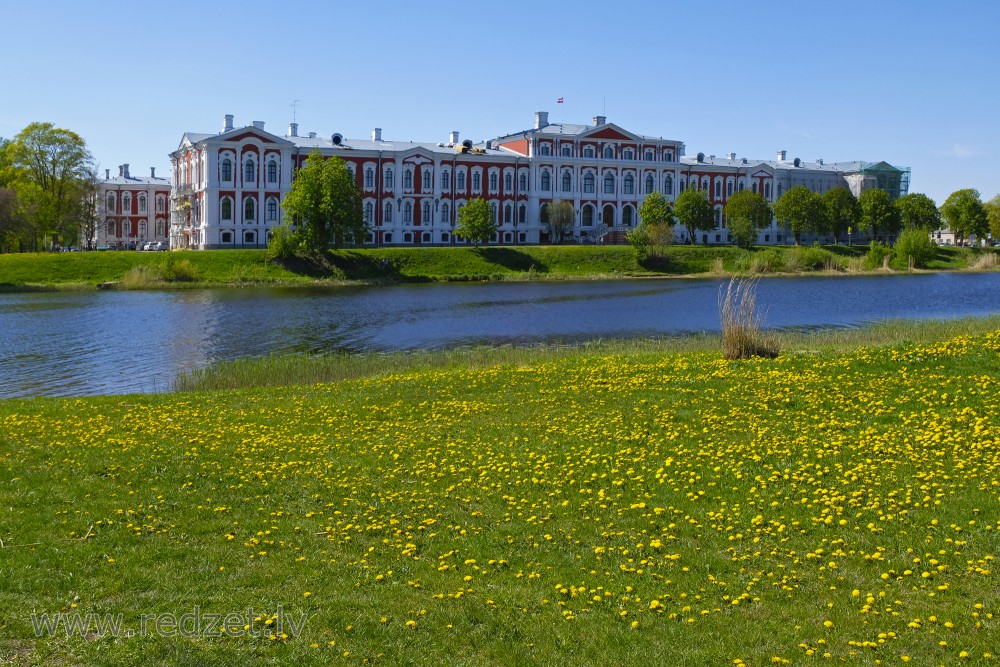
<point x="877" y="213"/>
<point x="476" y="221"/>
<point x="965" y="215"/>
<point x="324" y="204"/>
<point x="12" y="222"/>
<point x="747" y="213"/>
<point x="917" y="211"/>
<point x="694" y="212"/>
<point x="656" y="217"/>
<point x="47" y="166"/>
<point x="801" y="210"/>
<point x="993" y="217"/>
<point x="914" y="246"/>
<point x="842" y="211"/>
<point x="560" y="217"/>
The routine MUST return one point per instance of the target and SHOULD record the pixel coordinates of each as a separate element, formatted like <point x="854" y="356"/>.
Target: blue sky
<point x="914" y="83"/>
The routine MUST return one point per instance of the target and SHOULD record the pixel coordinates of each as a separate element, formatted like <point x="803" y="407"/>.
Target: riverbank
<point x="236" y="268"/>
<point x="585" y="508"/>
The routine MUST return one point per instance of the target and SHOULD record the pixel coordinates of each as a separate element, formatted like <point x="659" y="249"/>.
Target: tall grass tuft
<point x="985" y="262"/>
<point x="742" y="335"/>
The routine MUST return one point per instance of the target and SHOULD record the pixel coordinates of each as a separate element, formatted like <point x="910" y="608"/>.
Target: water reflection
<point x="118" y="342"/>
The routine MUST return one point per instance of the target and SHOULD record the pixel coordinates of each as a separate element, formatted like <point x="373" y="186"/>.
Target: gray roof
<point x="384" y="145"/>
<point x="829" y="167"/>
<point x="135" y="180"/>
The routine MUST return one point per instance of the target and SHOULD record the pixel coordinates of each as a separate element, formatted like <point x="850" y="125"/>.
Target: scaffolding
<point x="894" y="180"/>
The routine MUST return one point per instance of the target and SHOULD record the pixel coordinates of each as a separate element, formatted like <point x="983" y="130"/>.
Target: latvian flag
<point x="559" y="101"/>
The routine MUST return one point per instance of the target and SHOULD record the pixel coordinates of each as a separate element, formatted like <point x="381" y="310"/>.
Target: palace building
<point x="227" y="188"/>
<point x="132" y="209"/>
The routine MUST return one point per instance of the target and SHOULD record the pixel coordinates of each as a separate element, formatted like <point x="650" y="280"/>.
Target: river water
<point x="85" y="343"/>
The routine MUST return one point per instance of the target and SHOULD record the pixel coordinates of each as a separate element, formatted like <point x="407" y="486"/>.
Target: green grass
<point x="146" y="270"/>
<point x="588" y="507"/>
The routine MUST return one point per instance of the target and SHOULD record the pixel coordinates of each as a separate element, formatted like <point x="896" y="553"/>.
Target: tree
<point x="325" y="204"/>
<point x="747" y="212"/>
<point x="993" y="216"/>
<point x="89" y="218"/>
<point x="47" y="168"/>
<point x="842" y="211"/>
<point x="802" y="210"/>
<point x="694" y="212"/>
<point x="877" y="213"/>
<point x="656" y="218"/>
<point x="560" y="217"/>
<point x="476" y="221"/>
<point x="965" y="215"/>
<point x="12" y="225"/>
<point x="917" y="211"/>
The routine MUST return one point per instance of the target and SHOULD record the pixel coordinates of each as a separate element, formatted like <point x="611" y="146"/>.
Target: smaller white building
<point x="132" y="209"/>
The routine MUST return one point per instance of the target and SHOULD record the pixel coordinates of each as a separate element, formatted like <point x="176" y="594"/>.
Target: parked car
<point x="161" y="245"/>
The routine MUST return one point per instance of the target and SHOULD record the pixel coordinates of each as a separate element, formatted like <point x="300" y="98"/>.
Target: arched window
<point x="627" y="216"/>
<point x="142" y="229"/>
<point x="445" y="180"/>
<point x="111" y="228"/>
<point x="142" y="203"/>
<point x="369" y="210"/>
<point x="249" y="172"/>
<point x="272" y="209"/>
<point x="729" y="189"/>
<point x="161" y="228"/>
<point x="272" y="171"/>
<point x="111" y="203"/>
<point x="408" y="212"/>
<point x="425" y="182"/>
<point x="627" y="154"/>
<point x="461" y="180"/>
<point x="508" y="214"/>
<point x="407" y="179"/>
<point x="767" y="191"/>
<point x="587" y="216"/>
<point x="226" y="169"/>
<point x="742" y="185"/>
<point x="522" y="213"/>
<point x="567" y="182"/>
<point x="668" y="185"/>
<point x="546" y="181"/>
<point x="523" y="182"/>
<point x="588" y="182"/>
<point x="649" y="184"/>
<point x="425" y="215"/>
<point x="161" y="204"/>
<point x="609" y="153"/>
<point x="388" y="179"/>
<point x="508" y="182"/>
<point x="226" y="209"/>
<point x="369" y="178"/>
<point x="494" y="182"/>
<point x="588" y="152"/>
<point x="609" y="184"/>
<point x="628" y="184"/>
<point x="388" y="212"/>
<point x="127" y="228"/>
<point x="249" y="209"/>
<point x="444" y="213"/>
<point x="755" y="187"/>
<point x="477" y="181"/>
<point x="543" y="149"/>
<point x="718" y="189"/>
<point x="126" y="203"/>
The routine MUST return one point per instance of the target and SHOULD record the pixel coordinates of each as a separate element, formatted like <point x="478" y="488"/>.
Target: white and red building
<point x="228" y="187"/>
<point x="132" y="209"/>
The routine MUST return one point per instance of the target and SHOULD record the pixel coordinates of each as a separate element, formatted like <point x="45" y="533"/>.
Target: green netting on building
<point x="894" y="180"/>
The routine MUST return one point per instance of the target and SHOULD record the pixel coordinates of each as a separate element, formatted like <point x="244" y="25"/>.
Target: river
<point x="87" y="343"/>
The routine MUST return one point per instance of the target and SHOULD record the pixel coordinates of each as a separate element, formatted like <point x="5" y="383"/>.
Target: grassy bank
<point x="586" y="508"/>
<point x="146" y="270"/>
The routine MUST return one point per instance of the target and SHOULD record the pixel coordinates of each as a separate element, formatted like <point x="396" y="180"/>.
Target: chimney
<point x="312" y="135"/>
<point x="819" y="161"/>
<point x="107" y="174"/>
<point x="377" y="134"/>
<point x="227" y="122"/>
<point x="125" y="166"/>
<point x="121" y="170"/>
<point x="781" y="155"/>
<point x="259" y="124"/>
<point x="152" y="172"/>
<point x="453" y="138"/>
<point x="600" y="120"/>
<point x="293" y="129"/>
<point x="730" y="156"/>
<point x="712" y="158"/>
<point x="541" y="119"/>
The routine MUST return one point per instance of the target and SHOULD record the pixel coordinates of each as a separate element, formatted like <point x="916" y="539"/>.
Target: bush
<point x="770" y="260"/>
<point x="179" y="271"/>
<point x="876" y="256"/>
<point x="742" y="337"/>
<point x="283" y="244"/>
<point x="915" y="245"/>
<point x="812" y="258"/>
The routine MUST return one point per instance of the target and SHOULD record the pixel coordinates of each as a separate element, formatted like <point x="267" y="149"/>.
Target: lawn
<point x="584" y="509"/>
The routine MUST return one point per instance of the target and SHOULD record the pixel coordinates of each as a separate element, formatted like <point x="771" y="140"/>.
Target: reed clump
<point x="742" y="322"/>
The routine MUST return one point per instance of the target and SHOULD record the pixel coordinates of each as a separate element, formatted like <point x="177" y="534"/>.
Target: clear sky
<point x="915" y="83"/>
